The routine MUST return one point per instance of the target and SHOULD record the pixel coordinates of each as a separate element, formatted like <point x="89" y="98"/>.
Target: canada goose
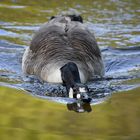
<point x="64" y="51"/>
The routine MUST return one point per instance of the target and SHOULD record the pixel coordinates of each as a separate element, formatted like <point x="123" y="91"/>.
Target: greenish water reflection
<point x="116" y="22"/>
<point x="26" y="117"/>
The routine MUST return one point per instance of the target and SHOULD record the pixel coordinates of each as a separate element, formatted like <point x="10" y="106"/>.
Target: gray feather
<point x="61" y="41"/>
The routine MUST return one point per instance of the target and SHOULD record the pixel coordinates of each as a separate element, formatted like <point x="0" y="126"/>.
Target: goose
<point x="65" y="51"/>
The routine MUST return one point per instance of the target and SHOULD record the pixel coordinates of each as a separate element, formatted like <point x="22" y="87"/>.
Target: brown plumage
<point x="58" y="42"/>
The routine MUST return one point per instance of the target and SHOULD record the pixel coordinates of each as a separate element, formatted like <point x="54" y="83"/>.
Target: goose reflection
<point x="79" y="107"/>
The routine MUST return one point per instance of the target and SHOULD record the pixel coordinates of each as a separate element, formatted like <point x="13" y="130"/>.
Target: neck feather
<point x="70" y="75"/>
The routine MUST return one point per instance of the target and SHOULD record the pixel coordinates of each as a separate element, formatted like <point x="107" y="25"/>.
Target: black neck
<point x="70" y="75"/>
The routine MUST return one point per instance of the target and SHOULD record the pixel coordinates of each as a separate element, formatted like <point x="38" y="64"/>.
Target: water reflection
<point x="116" y="24"/>
<point x="26" y="117"/>
<point x="79" y="107"/>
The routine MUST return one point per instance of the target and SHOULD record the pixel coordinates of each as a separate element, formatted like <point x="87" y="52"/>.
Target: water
<point x="117" y="30"/>
<point x="121" y="64"/>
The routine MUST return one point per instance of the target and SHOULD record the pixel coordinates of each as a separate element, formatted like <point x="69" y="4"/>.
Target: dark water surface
<point x="117" y="30"/>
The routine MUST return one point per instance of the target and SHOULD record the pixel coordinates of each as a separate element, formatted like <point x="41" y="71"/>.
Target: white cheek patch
<point x="78" y="96"/>
<point x="71" y="93"/>
<point x="82" y="89"/>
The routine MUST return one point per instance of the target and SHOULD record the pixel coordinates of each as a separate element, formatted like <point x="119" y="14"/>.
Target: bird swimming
<point x="65" y="51"/>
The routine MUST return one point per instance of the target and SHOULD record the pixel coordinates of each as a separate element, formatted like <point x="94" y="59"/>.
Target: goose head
<point x="77" y="18"/>
<point x="71" y="79"/>
<point x="80" y="92"/>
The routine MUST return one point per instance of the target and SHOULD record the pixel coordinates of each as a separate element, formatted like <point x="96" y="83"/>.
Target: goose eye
<point x="83" y="96"/>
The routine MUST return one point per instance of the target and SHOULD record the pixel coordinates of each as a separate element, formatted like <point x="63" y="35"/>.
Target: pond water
<point x="117" y="30"/>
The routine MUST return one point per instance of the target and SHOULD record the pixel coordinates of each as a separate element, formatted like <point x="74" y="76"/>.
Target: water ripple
<point x="119" y="63"/>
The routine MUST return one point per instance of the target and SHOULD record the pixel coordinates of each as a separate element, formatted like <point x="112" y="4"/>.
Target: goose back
<point x="61" y="41"/>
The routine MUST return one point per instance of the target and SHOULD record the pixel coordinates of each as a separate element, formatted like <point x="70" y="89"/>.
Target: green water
<point x="25" y="117"/>
<point x="118" y="20"/>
